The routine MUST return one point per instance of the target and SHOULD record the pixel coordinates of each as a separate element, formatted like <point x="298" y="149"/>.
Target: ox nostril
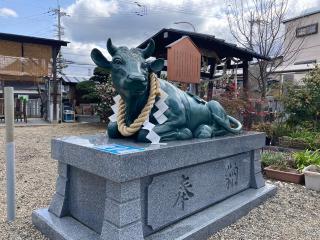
<point x="136" y="78"/>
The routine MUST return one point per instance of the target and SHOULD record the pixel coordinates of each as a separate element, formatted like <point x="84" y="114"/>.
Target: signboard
<point x="184" y="61"/>
<point x="119" y="149"/>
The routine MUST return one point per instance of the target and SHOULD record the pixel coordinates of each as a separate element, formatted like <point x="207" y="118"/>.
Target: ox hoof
<point x="113" y="131"/>
<point x="142" y="136"/>
<point x="203" y="131"/>
<point x="184" y="133"/>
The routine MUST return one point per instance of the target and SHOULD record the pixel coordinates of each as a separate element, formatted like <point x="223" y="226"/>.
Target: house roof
<point x="294" y="68"/>
<point x="30" y="39"/>
<point x="304" y="14"/>
<point x="74" y="79"/>
<point x="179" y="40"/>
<point x="203" y="41"/>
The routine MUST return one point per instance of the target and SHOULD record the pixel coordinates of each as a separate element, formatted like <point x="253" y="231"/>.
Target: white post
<point x="10" y="153"/>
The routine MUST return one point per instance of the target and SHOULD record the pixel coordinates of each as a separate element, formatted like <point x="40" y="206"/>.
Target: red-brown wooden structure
<point x="184" y="61"/>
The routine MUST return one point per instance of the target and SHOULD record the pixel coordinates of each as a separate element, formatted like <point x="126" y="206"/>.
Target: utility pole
<point x="251" y="21"/>
<point x="60" y="32"/>
<point x="58" y="63"/>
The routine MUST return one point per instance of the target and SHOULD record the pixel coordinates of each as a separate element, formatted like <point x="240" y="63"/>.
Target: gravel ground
<point x="292" y="214"/>
<point x="35" y="174"/>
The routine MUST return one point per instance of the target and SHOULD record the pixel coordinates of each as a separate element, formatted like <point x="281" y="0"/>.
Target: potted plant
<point x="306" y="158"/>
<point x="280" y="166"/>
<point x="312" y="177"/>
<point x="309" y="162"/>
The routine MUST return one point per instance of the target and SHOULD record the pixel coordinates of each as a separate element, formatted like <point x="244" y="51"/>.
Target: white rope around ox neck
<point x="143" y="118"/>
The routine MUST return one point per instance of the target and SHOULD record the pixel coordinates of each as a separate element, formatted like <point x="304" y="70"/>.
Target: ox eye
<point x="117" y="61"/>
<point x="144" y="65"/>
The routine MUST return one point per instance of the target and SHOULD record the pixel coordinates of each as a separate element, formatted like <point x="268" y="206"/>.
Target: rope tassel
<point x="143" y="116"/>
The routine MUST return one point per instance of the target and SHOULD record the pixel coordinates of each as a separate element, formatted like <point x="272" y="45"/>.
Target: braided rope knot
<point x="144" y="115"/>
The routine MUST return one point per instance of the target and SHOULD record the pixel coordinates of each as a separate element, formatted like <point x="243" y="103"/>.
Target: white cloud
<point x="91" y="22"/>
<point x="7" y="12"/>
<point x="99" y="8"/>
<point x="296" y="8"/>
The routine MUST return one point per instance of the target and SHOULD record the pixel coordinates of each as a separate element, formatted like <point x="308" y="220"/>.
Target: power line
<point x="170" y="9"/>
<point x="77" y="54"/>
<point x="144" y="9"/>
<point x="33" y="15"/>
<point x="81" y="64"/>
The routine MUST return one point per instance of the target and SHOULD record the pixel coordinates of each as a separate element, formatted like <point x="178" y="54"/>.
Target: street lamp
<point x="189" y="23"/>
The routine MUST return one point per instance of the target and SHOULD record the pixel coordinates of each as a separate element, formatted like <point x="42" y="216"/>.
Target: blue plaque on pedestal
<point x="119" y="149"/>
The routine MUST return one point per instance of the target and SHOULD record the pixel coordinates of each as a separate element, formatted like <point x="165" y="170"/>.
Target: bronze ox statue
<point x="183" y="116"/>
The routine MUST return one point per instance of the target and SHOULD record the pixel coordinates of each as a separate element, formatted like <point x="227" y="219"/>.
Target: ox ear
<point x="100" y="60"/>
<point x="156" y="65"/>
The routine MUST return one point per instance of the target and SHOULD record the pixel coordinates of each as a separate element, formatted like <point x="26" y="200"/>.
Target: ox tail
<point x="226" y="124"/>
<point x="223" y="120"/>
<point x="235" y="122"/>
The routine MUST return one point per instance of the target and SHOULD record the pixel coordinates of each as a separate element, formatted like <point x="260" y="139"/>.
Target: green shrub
<point x="306" y="158"/>
<point x="280" y="130"/>
<point x="263" y="127"/>
<point x="310" y="138"/>
<point x="278" y="160"/>
<point x="302" y="102"/>
<point x="104" y="92"/>
<point x="87" y="93"/>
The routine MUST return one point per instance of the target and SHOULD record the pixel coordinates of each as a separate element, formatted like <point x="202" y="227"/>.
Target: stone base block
<point x="198" y="226"/>
<point x="117" y="189"/>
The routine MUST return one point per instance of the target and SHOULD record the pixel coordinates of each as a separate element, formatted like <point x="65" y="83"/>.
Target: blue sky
<point x="91" y="22"/>
<point x="32" y="17"/>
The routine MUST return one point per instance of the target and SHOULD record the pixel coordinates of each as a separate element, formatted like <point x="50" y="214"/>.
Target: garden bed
<point x="287" y="175"/>
<point x="296" y="143"/>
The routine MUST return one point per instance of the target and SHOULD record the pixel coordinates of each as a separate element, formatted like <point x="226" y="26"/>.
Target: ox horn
<point x="148" y="51"/>
<point x="111" y="48"/>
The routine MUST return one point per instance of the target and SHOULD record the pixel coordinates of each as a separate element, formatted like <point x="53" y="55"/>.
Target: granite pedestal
<point x="123" y="190"/>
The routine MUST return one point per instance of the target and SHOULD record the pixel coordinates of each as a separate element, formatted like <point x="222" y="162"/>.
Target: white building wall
<point x="307" y="48"/>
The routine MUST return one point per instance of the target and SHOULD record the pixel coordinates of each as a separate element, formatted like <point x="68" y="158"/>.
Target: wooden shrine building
<point x="26" y="63"/>
<point x="202" y="55"/>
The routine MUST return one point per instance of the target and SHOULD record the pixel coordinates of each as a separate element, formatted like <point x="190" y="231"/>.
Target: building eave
<point x="31" y="39"/>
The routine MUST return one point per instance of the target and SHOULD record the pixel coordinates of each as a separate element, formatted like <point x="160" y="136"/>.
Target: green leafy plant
<point x="306" y="158"/>
<point x="86" y="90"/>
<point x="273" y="130"/>
<point x="104" y="91"/>
<point x="278" y="160"/>
<point x="310" y="138"/>
<point x="281" y="129"/>
<point x="263" y="127"/>
<point x="302" y="102"/>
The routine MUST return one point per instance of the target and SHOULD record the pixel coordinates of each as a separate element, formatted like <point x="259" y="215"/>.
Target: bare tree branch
<point x="257" y="25"/>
